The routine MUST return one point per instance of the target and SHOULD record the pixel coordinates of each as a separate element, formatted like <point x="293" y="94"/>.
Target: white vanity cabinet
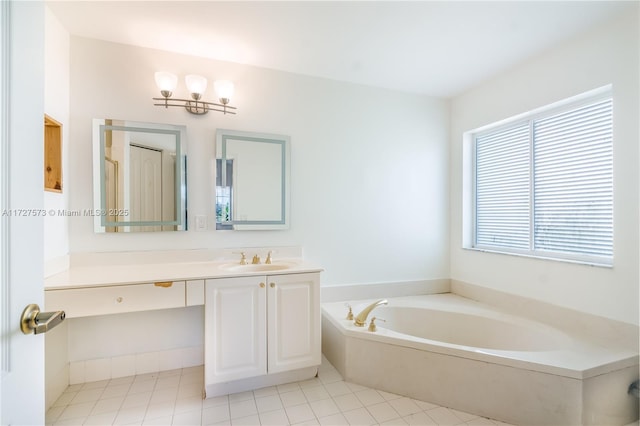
<point x="252" y="335"/>
<point x="261" y="330"/>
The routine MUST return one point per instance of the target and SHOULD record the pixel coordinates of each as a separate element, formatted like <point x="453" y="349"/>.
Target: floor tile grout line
<point x="124" y="396"/>
<point x="299" y="386"/>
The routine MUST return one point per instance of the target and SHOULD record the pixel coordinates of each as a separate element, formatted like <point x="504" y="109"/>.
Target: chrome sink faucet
<point x="361" y="318"/>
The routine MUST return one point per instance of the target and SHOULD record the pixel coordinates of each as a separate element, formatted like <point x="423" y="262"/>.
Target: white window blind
<point x="502" y="188"/>
<point x="544" y="186"/>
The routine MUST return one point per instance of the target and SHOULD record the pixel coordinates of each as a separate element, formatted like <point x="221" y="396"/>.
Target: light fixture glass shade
<point x="166" y="81"/>
<point x="196" y="83"/>
<point x="224" y="89"/>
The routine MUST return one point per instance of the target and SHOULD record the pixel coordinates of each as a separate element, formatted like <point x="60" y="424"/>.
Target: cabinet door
<point x="235" y="329"/>
<point x="294" y="321"/>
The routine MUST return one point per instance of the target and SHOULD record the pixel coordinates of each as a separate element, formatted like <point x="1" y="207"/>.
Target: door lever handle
<point x="33" y="321"/>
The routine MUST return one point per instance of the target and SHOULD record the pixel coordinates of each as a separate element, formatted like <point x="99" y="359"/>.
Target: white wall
<point x="607" y="55"/>
<point x="369" y="173"/>
<point x="369" y="166"/>
<point x="56" y="99"/>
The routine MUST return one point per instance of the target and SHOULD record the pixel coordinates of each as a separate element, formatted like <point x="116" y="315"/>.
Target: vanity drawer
<point x="116" y="299"/>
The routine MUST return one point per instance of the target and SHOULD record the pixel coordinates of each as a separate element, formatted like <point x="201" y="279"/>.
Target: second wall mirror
<point x="252" y="180"/>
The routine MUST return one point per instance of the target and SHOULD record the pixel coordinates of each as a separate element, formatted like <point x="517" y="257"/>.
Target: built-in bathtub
<point x="470" y="356"/>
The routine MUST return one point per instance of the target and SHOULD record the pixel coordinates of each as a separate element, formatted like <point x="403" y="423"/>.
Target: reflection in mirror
<point x="139" y="176"/>
<point x="252" y="181"/>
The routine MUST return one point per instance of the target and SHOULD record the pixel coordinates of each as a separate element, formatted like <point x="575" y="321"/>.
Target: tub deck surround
<point x="492" y="335"/>
<point x="470" y="356"/>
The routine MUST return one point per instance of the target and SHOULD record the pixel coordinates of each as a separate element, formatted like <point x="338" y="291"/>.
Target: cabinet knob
<point x="119" y="300"/>
<point x="261" y="285"/>
<point x="272" y="285"/>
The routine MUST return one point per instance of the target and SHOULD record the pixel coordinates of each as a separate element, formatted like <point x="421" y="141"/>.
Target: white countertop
<point x="121" y="274"/>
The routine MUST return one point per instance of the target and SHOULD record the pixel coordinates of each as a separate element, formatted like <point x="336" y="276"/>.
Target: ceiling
<point x="437" y="48"/>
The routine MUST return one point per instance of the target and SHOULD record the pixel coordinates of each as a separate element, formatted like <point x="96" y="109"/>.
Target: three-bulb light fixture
<point x="196" y="85"/>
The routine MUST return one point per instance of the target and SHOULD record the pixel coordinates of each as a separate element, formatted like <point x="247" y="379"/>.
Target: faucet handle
<point x="243" y="258"/>
<point x="372" y="324"/>
<point x="268" y="260"/>
<point x="350" y="313"/>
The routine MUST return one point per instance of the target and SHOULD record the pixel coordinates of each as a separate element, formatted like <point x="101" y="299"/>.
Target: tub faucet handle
<point x="350" y="313"/>
<point x="372" y="324"/>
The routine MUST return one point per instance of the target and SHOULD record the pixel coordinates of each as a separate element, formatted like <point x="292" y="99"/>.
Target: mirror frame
<point x="99" y="184"/>
<point x="222" y="135"/>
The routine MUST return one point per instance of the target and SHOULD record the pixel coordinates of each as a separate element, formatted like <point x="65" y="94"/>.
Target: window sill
<point x="584" y="262"/>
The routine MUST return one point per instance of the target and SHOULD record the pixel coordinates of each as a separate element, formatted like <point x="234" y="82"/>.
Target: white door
<point x="235" y="329"/>
<point x="293" y="321"/>
<point x="21" y="199"/>
<point x="146" y="187"/>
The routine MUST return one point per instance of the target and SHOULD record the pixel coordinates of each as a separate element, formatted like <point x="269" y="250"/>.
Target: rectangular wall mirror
<point x="252" y="181"/>
<point x="139" y="176"/>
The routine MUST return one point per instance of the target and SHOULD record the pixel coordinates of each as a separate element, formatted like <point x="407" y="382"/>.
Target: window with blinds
<point x="544" y="185"/>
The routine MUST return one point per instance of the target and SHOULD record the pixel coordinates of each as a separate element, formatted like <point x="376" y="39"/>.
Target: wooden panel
<point x="52" y="155"/>
<point x="92" y="301"/>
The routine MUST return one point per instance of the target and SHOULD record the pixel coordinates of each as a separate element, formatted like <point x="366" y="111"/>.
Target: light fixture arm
<point x="195" y="106"/>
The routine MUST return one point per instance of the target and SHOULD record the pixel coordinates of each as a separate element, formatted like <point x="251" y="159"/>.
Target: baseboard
<point x="130" y="365"/>
<point x="252" y="383"/>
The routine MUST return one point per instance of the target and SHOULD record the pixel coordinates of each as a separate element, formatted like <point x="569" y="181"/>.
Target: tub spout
<point x="361" y="319"/>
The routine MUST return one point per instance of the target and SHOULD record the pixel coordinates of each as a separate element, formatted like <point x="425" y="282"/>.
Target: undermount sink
<point x="279" y="266"/>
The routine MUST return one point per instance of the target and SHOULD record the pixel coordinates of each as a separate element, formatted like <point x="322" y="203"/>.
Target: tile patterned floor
<point x="174" y="398"/>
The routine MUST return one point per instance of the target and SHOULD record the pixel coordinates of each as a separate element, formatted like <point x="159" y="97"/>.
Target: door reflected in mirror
<point x="139" y="176"/>
<point x="252" y="181"/>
